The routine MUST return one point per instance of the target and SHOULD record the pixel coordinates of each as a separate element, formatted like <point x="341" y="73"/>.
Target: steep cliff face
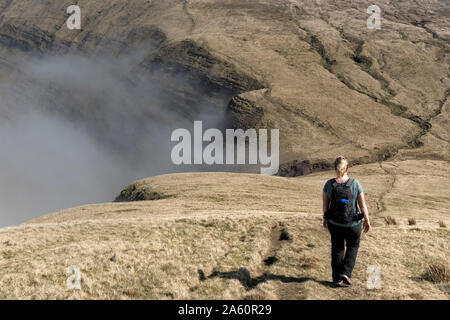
<point x="310" y="68"/>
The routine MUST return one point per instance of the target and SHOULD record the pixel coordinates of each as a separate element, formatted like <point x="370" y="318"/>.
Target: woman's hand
<point x="366" y="225"/>
<point x="362" y="205"/>
<point x="325" y="223"/>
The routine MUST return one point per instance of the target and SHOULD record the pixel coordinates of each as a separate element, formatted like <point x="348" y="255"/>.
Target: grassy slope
<point x="211" y="238"/>
<point x="331" y="85"/>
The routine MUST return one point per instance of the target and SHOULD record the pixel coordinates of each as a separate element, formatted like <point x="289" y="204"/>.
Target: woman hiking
<point x="343" y="219"/>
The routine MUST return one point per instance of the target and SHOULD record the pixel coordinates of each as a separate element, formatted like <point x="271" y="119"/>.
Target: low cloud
<point x="76" y="130"/>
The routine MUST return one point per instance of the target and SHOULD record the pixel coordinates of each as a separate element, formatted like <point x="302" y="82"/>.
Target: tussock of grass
<point x="442" y="224"/>
<point x="390" y="220"/>
<point x="412" y="221"/>
<point x="437" y="272"/>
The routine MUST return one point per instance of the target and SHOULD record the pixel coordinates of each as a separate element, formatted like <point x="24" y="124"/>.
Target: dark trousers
<point x="350" y="235"/>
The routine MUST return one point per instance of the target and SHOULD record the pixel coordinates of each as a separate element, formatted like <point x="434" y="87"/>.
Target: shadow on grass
<point x="244" y="277"/>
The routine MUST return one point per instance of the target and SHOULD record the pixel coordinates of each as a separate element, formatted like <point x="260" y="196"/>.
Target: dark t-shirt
<point x="356" y="189"/>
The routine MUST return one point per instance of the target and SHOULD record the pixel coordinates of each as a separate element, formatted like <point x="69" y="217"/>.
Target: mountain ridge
<point x="313" y="48"/>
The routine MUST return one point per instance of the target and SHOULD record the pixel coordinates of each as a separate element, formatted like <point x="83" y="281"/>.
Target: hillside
<point x="234" y="236"/>
<point x="305" y="67"/>
<point x="83" y="113"/>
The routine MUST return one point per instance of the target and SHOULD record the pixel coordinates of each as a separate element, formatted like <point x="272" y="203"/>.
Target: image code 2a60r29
<point x="246" y="309"/>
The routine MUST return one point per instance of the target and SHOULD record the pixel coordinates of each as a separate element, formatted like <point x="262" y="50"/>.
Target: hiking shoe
<point x="338" y="283"/>
<point x="346" y="280"/>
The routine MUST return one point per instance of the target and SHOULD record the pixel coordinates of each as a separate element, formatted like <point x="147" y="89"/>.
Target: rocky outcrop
<point x="245" y="113"/>
<point x="139" y="193"/>
<point x="190" y="57"/>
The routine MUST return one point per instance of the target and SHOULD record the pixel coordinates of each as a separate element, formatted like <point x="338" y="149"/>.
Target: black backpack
<point x="341" y="207"/>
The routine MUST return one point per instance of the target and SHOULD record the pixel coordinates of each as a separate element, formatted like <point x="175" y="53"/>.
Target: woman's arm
<point x="325" y="204"/>
<point x="362" y="205"/>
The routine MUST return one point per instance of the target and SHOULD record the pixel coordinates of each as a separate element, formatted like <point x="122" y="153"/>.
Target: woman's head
<point x="341" y="166"/>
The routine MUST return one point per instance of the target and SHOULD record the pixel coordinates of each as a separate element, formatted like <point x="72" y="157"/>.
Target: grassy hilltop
<point x="236" y="236"/>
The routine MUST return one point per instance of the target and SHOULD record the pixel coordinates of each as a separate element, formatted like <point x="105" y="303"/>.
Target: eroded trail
<point x="381" y="204"/>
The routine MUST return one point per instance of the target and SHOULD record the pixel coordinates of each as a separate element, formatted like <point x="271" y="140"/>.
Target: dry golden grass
<point x="210" y="239"/>
<point x="412" y="221"/>
<point x="222" y="224"/>
<point x="390" y="220"/>
<point x="437" y="272"/>
<point x="442" y="224"/>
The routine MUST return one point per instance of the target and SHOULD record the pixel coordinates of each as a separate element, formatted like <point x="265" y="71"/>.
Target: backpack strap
<point x="349" y="182"/>
<point x="334" y="183"/>
<point x="333" y="187"/>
